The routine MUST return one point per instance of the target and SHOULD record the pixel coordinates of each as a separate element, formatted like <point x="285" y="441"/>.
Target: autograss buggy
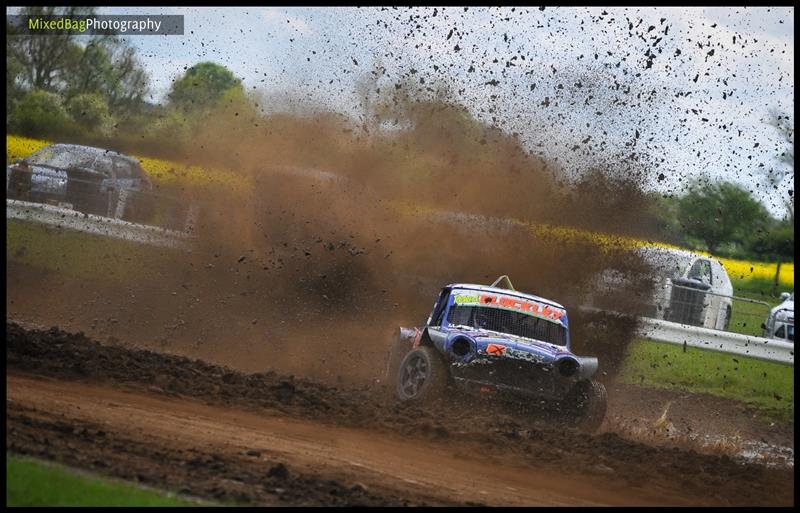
<point x="496" y="340"/>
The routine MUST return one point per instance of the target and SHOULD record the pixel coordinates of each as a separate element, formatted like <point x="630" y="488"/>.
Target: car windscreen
<point x="508" y="321"/>
<point x="125" y="168"/>
<point x="665" y="263"/>
<point x="785" y="331"/>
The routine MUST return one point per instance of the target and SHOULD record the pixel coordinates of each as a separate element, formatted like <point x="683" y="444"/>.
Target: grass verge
<point x="31" y="482"/>
<point x="78" y="254"/>
<point x="766" y="386"/>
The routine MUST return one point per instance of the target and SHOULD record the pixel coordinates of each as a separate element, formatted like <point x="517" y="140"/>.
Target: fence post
<point x="777" y="279"/>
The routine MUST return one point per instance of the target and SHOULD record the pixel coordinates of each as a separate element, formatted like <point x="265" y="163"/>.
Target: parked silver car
<point x="780" y="321"/>
<point x="82" y="178"/>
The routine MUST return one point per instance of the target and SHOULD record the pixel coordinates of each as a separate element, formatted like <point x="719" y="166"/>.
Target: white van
<point x="688" y="288"/>
<point x="780" y="321"/>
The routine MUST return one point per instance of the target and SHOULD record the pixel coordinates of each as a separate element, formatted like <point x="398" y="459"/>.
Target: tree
<point x="106" y="65"/>
<point x="720" y="212"/>
<point x="127" y="83"/>
<point x="662" y="217"/>
<point x="89" y="110"/>
<point x="785" y="126"/>
<point x="46" y="59"/>
<point x="109" y="67"/>
<point x="13" y="90"/>
<point x="39" y="113"/>
<point x="202" y="86"/>
<point x="776" y="243"/>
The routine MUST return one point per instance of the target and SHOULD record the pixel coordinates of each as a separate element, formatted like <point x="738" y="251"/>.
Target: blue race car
<point x="496" y="340"/>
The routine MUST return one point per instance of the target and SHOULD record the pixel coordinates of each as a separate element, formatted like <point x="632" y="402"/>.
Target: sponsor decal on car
<point x="523" y="355"/>
<point x="528" y="306"/>
<point x="495" y="349"/>
<point x="501" y="350"/>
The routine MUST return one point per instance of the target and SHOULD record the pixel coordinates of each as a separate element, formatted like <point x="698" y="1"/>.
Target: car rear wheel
<point x="398" y="349"/>
<point x="421" y="376"/>
<point x="590" y="402"/>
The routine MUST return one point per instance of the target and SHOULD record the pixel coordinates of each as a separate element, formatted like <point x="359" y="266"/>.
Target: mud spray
<point x="339" y="236"/>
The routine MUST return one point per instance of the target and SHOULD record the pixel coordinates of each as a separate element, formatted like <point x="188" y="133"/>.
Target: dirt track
<point x="163" y="437"/>
<point x="268" y="439"/>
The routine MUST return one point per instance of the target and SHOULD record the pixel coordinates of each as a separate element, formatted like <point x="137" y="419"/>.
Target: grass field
<point x="746" y="318"/>
<point x="767" y="386"/>
<point x="78" y="254"/>
<point x="764" y="289"/>
<point x="31" y="482"/>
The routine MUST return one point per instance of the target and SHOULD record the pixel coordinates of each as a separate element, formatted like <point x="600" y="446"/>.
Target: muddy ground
<point x="268" y="438"/>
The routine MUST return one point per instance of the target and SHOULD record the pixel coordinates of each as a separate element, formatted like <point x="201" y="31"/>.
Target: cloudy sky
<point x="686" y="91"/>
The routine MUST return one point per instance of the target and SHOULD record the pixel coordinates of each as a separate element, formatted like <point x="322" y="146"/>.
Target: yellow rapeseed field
<point x="165" y="171"/>
<point x="160" y="171"/>
<point x="741" y="270"/>
<point x="18" y="147"/>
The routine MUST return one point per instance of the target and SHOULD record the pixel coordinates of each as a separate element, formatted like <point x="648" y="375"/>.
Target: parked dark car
<point x="83" y="178"/>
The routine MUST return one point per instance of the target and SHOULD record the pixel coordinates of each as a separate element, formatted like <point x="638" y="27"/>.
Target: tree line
<point x="58" y="86"/>
<point x="725" y="219"/>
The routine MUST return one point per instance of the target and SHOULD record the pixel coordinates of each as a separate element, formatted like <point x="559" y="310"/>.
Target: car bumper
<point x="528" y="379"/>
